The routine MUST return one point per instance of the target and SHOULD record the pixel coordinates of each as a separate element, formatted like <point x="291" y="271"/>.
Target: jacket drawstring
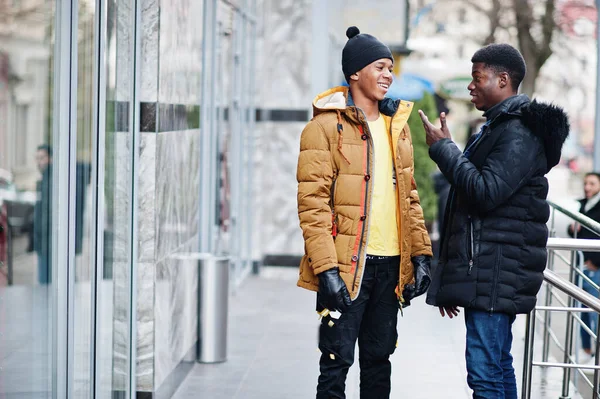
<point x="340" y="128"/>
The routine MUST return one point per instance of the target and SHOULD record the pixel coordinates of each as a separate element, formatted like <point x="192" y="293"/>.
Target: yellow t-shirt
<point x="383" y="226"/>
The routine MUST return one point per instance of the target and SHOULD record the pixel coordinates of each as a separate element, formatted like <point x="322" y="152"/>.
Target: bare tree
<point x="493" y="14"/>
<point x="535" y="51"/>
<point x="535" y="26"/>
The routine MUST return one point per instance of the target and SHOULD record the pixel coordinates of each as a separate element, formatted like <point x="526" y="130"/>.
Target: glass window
<point x="26" y="196"/>
<point x="114" y="334"/>
<point x="85" y="170"/>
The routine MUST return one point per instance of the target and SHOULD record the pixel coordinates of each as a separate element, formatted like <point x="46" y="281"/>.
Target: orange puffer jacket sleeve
<point x="420" y="241"/>
<point x="315" y="175"/>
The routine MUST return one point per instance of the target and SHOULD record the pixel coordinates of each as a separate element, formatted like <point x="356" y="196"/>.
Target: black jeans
<point x="371" y="319"/>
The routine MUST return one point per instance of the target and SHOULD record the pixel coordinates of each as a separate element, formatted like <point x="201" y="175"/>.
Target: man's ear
<point x="354" y="76"/>
<point x="504" y="79"/>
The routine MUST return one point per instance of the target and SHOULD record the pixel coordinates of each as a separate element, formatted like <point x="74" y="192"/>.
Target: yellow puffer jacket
<point x="334" y="192"/>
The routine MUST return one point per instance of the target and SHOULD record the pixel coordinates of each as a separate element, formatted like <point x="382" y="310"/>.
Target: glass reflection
<point x="83" y="315"/>
<point x="113" y="360"/>
<point x="27" y="192"/>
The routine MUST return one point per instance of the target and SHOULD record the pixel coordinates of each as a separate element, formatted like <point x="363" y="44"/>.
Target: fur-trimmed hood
<point x="547" y="121"/>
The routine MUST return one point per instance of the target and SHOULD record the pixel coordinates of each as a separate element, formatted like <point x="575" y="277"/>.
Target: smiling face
<point x="374" y="80"/>
<point x="488" y="87"/>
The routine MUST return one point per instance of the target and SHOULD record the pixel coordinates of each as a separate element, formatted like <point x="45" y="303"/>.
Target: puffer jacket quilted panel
<point x="334" y="190"/>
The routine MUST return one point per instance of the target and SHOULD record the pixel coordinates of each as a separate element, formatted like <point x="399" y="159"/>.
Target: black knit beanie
<point x="360" y="50"/>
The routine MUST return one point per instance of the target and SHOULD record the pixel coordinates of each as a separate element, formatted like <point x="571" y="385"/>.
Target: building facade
<point x="125" y="145"/>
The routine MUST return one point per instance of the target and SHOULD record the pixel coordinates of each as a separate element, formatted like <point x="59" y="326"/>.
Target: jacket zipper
<point x="332" y="205"/>
<point x="495" y="282"/>
<point x="447" y="221"/>
<point x="471" y="249"/>
<point x="397" y="188"/>
<point x="362" y="234"/>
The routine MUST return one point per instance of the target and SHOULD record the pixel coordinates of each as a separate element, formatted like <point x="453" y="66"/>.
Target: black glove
<point x="333" y="293"/>
<point x="422" y="266"/>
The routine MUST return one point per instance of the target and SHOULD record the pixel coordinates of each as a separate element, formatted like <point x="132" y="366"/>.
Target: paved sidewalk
<point x="273" y="350"/>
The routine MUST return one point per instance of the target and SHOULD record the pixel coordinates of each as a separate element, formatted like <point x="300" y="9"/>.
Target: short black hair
<point x="593" y="174"/>
<point x="503" y="58"/>
<point x="45" y="147"/>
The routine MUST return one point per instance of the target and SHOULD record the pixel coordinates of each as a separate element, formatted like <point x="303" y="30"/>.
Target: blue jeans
<point x="590" y="319"/>
<point x="490" y="372"/>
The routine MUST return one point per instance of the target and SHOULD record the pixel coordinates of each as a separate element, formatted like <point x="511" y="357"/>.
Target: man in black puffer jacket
<point x="493" y="246"/>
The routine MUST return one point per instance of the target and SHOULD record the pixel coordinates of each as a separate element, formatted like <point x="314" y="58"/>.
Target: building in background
<point x="144" y="111"/>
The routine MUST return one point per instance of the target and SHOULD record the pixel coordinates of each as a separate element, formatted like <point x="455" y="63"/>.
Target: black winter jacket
<point x="493" y="250"/>
<point x="593" y="213"/>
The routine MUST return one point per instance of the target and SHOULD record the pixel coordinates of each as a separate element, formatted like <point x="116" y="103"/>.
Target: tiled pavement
<point x="273" y="350"/>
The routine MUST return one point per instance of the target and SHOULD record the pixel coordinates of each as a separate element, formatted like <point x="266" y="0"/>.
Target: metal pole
<point x="547" y="315"/>
<point x="204" y="212"/>
<point x="569" y="336"/>
<point x="252" y="127"/>
<point x="60" y="193"/>
<point x="528" y="357"/>
<point x="407" y="21"/>
<point x="548" y="299"/>
<point x="213" y="161"/>
<point x="134" y="131"/>
<point x="9" y="253"/>
<point x="597" y="121"/>
<point x="596" y="362"/>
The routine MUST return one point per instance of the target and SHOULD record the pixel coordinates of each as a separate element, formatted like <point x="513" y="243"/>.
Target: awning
<point x="408" y="87"/>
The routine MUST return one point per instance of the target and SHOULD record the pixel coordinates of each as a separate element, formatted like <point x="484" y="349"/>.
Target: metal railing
<point x="571" y="305"/>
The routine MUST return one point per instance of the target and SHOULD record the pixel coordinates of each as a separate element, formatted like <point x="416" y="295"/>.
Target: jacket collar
<point x="546" y="121"/>
<point x="509" y="106"/>
<point x="339" y="99"/>
<point x="387" y="106"/>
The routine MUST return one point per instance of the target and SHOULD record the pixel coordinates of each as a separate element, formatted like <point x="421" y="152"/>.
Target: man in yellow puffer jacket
<point x="367" y="252"/>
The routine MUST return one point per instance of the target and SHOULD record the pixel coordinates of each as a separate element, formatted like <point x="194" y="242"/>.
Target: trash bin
<point x="213" y="296"/>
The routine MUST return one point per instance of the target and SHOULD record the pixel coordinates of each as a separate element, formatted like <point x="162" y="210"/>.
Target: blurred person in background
<point x="42" y="221"/>
<point x="493" y="245"/>
<point x="589" y="206"/>
<point x="367" y="252"/>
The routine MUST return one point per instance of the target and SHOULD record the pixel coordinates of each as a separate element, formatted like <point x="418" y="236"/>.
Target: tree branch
<point x="524" y="18"/>
<point x="476" y="5"/>
<point x="548" y="27"/>
<point x="494" y="17"/>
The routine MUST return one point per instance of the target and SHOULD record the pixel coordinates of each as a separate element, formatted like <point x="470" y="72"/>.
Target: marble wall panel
<point x="278" y="158"/>
<point x="283" y="64"/>
<point x="118" y="207"/>
<point x="180" y="51"/>
<point x="147" y="197"/>
<point x="177" y="190"/>
<point x="120" y="56"/>
<point x="224" y="54"/>
<point x="176" y="314"/>
<point x="120" y="327"/>
<point x="150" y="50"/>
<point x="146" y="276"/>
